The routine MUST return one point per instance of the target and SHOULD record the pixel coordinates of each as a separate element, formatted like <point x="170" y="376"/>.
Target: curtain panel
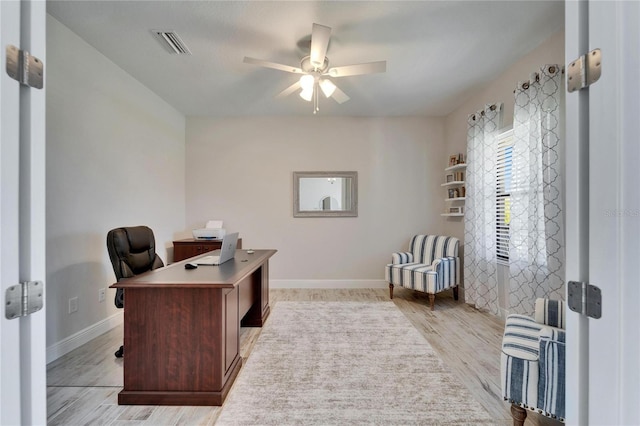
<point x="480" y="261"/>
<point x="536" y="247"/>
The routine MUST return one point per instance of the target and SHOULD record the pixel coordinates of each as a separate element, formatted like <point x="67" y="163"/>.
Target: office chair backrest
<point x="132" y="251"/>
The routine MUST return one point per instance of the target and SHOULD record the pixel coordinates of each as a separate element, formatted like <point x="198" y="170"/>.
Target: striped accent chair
<point x="533" y="362"/>
<point x="431" y="265"/>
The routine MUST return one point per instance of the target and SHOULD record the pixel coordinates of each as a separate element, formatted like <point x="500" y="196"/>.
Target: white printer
<point x="212" y="231"/>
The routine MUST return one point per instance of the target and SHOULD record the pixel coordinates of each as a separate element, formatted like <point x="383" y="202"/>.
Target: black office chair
<point x="132" y="251"/>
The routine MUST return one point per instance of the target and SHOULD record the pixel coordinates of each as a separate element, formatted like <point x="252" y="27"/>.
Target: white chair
<point x="431" y="265"/>
<point x="533" y="362"/>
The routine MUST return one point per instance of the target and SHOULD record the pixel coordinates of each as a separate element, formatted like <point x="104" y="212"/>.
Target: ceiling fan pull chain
<point x="315" y="99"/>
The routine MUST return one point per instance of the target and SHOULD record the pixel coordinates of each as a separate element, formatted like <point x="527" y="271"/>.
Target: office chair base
<point x="120" y="352"/>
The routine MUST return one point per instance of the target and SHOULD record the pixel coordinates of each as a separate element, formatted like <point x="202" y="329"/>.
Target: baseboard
<point x="78" y="339"/>
<point x="328" y="284"/>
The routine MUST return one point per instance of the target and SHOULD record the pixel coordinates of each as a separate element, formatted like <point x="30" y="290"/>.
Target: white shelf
<point x="451" y="171"/>
<point x="456" y="167"/>
<point x="454" y="183"/>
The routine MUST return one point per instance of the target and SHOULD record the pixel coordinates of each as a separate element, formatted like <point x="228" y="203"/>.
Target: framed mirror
<point x="325" y="194"/>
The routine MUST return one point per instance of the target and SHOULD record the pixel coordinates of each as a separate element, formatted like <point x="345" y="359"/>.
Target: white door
<point x="22" y="218"/>
<point x="603" y="214"/>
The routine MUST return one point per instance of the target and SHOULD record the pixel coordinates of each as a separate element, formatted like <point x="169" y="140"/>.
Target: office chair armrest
<point x="157" y="263"/>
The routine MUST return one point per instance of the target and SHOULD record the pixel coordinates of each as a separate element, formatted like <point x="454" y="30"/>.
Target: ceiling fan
<point x="316" y="73"/>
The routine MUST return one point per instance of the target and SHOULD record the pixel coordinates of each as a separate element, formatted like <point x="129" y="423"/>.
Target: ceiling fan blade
<point x="319" y="44"/>
<point x="358" y="69"/>
<point x="339" y="96"/>
<point x="289" y="90"/>
<point x="275" y="66"/>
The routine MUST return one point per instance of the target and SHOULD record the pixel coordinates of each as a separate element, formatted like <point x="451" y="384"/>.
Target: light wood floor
<point x="82" y="386"/>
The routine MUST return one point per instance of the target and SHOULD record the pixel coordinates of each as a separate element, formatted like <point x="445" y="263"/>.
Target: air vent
<point x="172" y="42"/>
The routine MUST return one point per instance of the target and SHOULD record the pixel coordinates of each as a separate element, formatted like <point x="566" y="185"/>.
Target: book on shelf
<point x="458" y="176"/>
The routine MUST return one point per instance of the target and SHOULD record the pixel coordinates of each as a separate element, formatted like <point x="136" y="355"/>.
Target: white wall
<point x="240" y="170"/>
<point x="499" y="90"/>
<point x="115" y="157"/>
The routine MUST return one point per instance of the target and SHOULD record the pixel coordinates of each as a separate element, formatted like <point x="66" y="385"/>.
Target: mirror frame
<point x="352" y="212"/>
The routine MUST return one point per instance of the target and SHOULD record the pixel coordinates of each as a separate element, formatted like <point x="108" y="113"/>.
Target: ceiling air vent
<point x="172" y="42"/>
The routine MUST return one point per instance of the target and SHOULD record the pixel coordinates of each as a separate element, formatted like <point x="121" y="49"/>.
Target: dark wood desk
<point x="189" y="247"/>
<point x="182" y="329"/>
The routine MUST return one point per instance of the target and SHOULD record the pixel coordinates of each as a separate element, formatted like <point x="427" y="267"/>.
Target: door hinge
<point x="585" y="299"/>
<point x="584" y="71"/>
<point x="23" y="299"/>
<point x="25" y="68"/>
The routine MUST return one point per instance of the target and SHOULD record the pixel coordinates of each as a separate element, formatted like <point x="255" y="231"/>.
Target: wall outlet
<point x="73" y="305"/>
<point x="101" y="294"/>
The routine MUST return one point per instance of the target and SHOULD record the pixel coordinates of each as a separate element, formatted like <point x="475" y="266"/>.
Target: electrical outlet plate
<point x="73" y="305"/>
<point x="101" y="295"/>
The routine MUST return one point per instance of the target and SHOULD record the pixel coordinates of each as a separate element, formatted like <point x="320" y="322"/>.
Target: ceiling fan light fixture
<point x="327" y="87"/>
<point x="315" y="73"/>
<point x="307" y="94"/>
<point x="306" y="82"/>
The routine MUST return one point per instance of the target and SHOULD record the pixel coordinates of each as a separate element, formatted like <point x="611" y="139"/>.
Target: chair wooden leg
<point x="455" y="293"/>
<point x="390" y="291"/>
<point x="432" y="301"/>
<point x="519" y="414"/>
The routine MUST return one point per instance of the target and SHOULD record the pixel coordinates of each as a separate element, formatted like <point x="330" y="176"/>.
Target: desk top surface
<point x="228" y="274"/>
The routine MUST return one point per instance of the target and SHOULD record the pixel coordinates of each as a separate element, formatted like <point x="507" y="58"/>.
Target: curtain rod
<point x="552" y="70"/>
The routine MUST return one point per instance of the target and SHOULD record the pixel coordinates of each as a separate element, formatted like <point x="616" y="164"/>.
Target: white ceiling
<point x="437" y="52"/>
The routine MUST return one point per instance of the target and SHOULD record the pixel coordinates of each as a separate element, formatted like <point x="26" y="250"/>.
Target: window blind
<point x="503" y="190"/>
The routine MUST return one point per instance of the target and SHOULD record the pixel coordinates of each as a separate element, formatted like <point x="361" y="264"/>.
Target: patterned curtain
<point x="536" y="248"/>
<point x="480" y="278"/>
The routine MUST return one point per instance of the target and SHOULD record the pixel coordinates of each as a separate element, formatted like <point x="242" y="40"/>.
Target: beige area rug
<point x="345" y="363"/>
